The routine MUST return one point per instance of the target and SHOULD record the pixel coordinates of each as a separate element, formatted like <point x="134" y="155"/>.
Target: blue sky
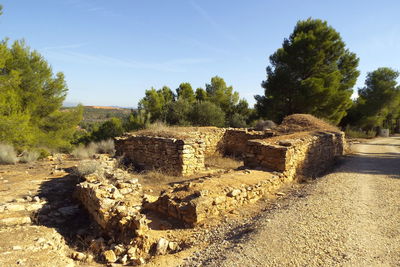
<point x="111" y="51"/>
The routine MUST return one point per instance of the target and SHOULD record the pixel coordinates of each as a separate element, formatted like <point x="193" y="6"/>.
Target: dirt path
<point x="350" y="217"/>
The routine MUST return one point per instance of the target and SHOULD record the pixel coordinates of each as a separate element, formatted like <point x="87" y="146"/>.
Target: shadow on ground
<point x="373" y="163"/>
<point x="63" y="213"/>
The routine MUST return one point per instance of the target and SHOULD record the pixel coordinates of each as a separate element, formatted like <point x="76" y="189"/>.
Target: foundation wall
<point x="176" y="157"/>
<point x="300" y="154"/>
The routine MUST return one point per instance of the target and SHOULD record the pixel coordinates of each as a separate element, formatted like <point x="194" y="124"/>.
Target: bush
<point x="29" y="156"/>
<point x="102" y="147"/>
<point x="262" y="125"/>
<point x="86" y="167"/>
<point x="237" y="121"/>
<point x="106" y="147"/>
<point x="357" y="133"/>
<point x="7" y="154"/>
<point x="108" y="129"/>
<point x="207" y="114"/>
<point x="84" y="152"/>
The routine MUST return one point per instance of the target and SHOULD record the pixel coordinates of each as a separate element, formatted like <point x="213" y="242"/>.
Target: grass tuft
<point x="221" y="162"/>
<point x="7" y="154"/>
<point x="29" y="156"/>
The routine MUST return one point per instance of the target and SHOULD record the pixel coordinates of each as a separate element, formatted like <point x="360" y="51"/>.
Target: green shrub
<point x="43" y="153"/>
<point x="108" y="129"/>
<point x="207" y="114"/>
<point x="7" y="154"/>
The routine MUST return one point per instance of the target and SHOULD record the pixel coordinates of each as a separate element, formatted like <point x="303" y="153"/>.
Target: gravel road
<point x="350" y="217"/>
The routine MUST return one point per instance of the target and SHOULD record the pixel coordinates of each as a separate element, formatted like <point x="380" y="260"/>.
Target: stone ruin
<point x="115" y="199"/>
<point x="186" y="156"/>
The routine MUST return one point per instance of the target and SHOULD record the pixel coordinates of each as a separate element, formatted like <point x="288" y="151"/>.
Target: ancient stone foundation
<point x="170" y="155"/>
<point x="184" y="156"/>
<point x="115" y="199"/>
<point x="307" y="154"/>
<point x="285" y="157"/>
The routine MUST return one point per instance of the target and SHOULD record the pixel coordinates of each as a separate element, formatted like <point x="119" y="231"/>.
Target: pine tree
<point x="312" y="73"/>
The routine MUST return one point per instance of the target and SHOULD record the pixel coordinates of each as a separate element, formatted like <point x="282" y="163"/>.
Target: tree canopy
<point x="312" y="73"/>
<point x="30" y="100"/>
<point x="379" y="100"/>
<point x="178" y="109"/>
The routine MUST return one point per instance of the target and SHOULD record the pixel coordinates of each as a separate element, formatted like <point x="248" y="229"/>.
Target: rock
<point x="79" y="256"/>
<point x="162" y="246"/>
<point x="119" y="250"/>
<point x="110" y="256"/>
<point x="14" y="207"/>
<point x="15" y="221"/>
<point x="173" y="246"/>
<point x="89" y="258"/>
<point x="234" y="192"/>
<point x="40" y="240"/>
<point x="21" y="261"/>
<point x="36" y="199"/>
<point x="17" y="248"/>
<point x="29" y="198"/>
<point x="124" y="259"/>
<point x="34" y="207"/>
<point x="132" y="252"/>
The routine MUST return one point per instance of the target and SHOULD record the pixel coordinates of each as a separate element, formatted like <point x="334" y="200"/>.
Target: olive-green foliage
<point x="178" y="112"/>
<point x="155" y="102"/>
<point x="222" y="95"/>
<point x="312" y="73"/>
<point x="185" y="92"/>
<point x="30" y="100"/>
<point x="108" y="129"/>
<point x="358" y="133"/>
<point x="201" y="94"/>
<point x="137" y="120"/>
<point x="206" y="113"/>
<point x="378" y="103"/>
<point x="163" y="105"/>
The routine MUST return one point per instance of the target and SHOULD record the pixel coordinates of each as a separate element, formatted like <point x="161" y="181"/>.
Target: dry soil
<point x="350" y="217"/>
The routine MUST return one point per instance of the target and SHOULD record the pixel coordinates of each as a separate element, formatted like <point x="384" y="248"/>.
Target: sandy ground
<point x="350" y="217"/>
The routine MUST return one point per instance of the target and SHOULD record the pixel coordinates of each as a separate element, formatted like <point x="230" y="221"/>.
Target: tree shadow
<point x="373" y="163"/>
<point x="64" y="213"/>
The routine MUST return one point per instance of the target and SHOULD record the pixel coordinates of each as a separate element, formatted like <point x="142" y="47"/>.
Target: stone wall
<point x="114" y="199"/>
<point x="176" y="157"/>
<point x="235" y="140"/>
<point x="307" y="154"/>
<point x="195" y="201"/>
<point x="286" y="157"/>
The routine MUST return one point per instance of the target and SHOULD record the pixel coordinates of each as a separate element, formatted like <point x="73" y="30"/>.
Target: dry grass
<point x="102" y="147"/>
<point x="222" y="162"/>
<point x="86" y="167"/>
<point x="84" y="152"/>
<point x="302" y="123"/>
<point x="160" y="129"/>
<point x="7" y="154"/>
<point x="156" y="177"/>
<point x="29" y="156"/>
<point x="106" y="147"/>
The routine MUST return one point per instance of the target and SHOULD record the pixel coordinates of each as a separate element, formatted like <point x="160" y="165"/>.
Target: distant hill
<point x="102" y="113"/>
